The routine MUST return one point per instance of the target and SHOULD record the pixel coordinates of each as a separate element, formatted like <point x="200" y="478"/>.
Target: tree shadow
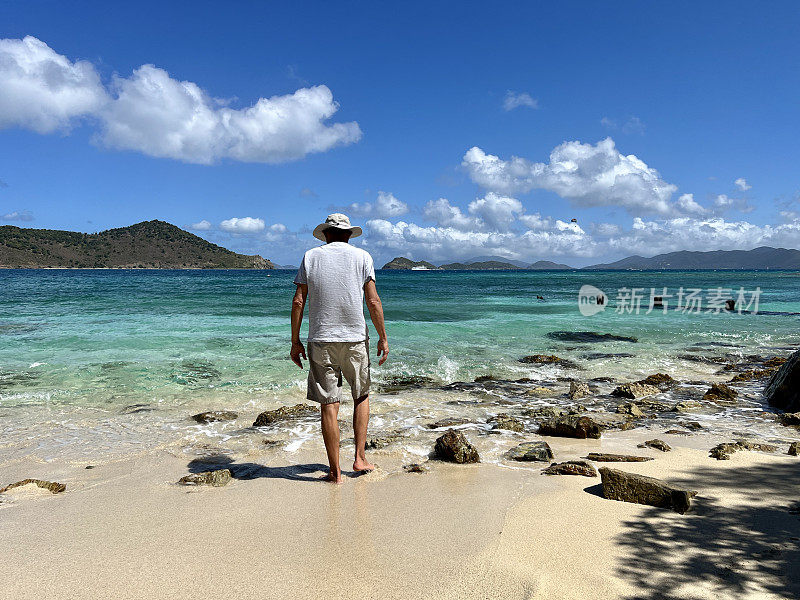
<point x="745" y="550"/>
<point x="249" y="470"/>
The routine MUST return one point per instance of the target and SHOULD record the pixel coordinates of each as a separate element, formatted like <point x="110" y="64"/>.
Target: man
<point x="336" y="278"/>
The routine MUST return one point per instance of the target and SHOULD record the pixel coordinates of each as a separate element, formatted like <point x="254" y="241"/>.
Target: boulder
<point x="635" y="390"/>
<point x="392" y="385"/>
<point x="285" y="413"/>
<point x="483" y="378"/>
<point x="794" y="449"/>
<point x="578" y="390"/>
<point x="448" y="422"/>
<point x="677" y="432"/>
<point x="215" y="415"/>
<point x="783" y="390"/>
<point x="548" y="359"/>
<point x="541" y="392"/>
<point x="640" y="489"/>
<point x="381" y="441"/>
<point x="574" y="426"/>
<point x="454" y="447"/>
<point x="571" y="467"/>
<point x="656" y="445"/>
<point x="415" y="468"/>
<point x="50" y="486"/>
<point x="630" y="409"/>
<point x="752" y="374"/>
<point x="658" y="379"/>
<point x="531" y="451"/>
<point x="545" y="412"/>
<point x="503" y="421"/>
<point x="687" y="406"/>
<point x="693" y="425"/>
<point x="790" y="419"/>
<point x="724" y="451"/>
<point x="720" y="393"/>
<point x="603" y="457"/>
<point x="216" y="478"/>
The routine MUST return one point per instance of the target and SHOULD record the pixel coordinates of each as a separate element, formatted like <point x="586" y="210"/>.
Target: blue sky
<point x="615" y="114"/>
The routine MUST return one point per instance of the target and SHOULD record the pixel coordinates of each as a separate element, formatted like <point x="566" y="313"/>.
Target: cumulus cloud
<point x="243" y="225"/>
<point x="519" y="99"/>
<point x="152" y="113"/>
<point x="688" y="205"/>
<point x="723" y="203"/>
<point x="385" y="206"/>
<point x="741" y="183"/>
<point x="201" y="226"/>
<point x="18" y="215"/>
<point x="586" y="174"/>
<point x="493" y="212"/>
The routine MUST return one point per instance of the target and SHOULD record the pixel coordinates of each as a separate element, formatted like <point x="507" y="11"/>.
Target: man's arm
<point x="376" y="314"/>
<point x="298" y="306"/>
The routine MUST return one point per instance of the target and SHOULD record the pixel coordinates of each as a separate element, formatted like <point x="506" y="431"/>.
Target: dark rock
<point x="656" y="445"/>
<point x="573" y="426"/>
<point x="503" y="421"/>
<point x="531" y="451"/>
<point x="216" y="478"/>
<point x="677" y="432"/>
<point x="454" y="447"/>
<point x="285" y="413"/>
<point x="482" y="378"/>
<point x="399" y="383"/>
<point x="603" y="457"/>
<point x="721" y="393"/>
<point x="790" y="419"/>
<point x="89" y="467"/>
<point x="783" y="390"/>
<point x="777" y="361"/>
<point x="571" y="467"/>
<point x="724" y="451"/>
<point x="588" y="337"/>
<point x="603" y="379"/>
<point x="578" y="390"/>
<point x="693" y="425"/>
<point x="794" y="448"/>
<point x="215" y="415"/>
<point x="640" y="489"/>
<point x="545" y="412"/>
<point x="602" y="355"/>
<point x="415" y="468"/>
<point x="51" y="486"/>
<point x="448" y="422"/>
<point x="381" y="441"/>
<point x="548" y="359"/>
<point x="752" y="374"/>
<point x="687" y="406"/>
<point x="630" y="409"/>
<point x="658" y="379"/>
<point x="635" y="390"/>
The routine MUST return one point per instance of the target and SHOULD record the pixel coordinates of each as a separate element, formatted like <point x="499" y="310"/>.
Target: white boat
<point x="420" y="268"/>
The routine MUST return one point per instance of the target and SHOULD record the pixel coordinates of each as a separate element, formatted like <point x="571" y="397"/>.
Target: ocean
<point x="114" y="361"/>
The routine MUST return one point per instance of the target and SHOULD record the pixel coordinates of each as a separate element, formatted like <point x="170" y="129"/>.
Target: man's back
<point x="335" y="274"/>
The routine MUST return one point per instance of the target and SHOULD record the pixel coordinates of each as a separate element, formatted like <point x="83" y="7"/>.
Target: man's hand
<point x="383" y="348"/>
<point x="297" y="351"/>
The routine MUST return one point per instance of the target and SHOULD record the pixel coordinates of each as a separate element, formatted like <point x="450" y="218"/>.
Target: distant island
<point x="146" y="245"/>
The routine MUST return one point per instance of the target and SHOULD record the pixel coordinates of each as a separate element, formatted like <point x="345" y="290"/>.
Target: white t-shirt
<point x="335" y="274"/>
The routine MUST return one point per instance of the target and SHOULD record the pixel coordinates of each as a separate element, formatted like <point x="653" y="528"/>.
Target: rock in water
<point x="548" y="359"/>
<point x="571" y="467"/>
<point x="603" y="457"/>
<point x="635" y="390"/>
<point x="214" y="415"/>
<point x="454" y="447"/>
<point x="724" y="451"/>
<point x="658" y="379"/>
<point x="573" y="426"/>
<point x="790" y="419"/>
<point x="631" y="409"/>
<point x="415" y="468"/>
<point x="285" y="413"/>
<point x="213" y="478"/>
<point x="503" y="421"/>
<point x="657" y="445"/>
<point x="578" y="390"/>
<point x="687" y="406"/>
<point x="448" y="422"/>
<point x="51" y="486"/>
<point x="719" y="392"/>
<point x="640" y="489"/>
<point x="531" y="451"/>
<point x="783" y="390"/>
<point x="794" y="448"/>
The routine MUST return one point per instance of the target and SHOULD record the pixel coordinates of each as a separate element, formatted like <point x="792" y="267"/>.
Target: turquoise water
<point x="81" y="343"/>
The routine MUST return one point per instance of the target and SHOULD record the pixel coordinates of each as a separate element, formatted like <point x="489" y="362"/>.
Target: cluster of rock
<point x="51" y="486"/>
<point x="217" y="478"/>
<point x="285" y="413"/>
<point x="724" y="451"/>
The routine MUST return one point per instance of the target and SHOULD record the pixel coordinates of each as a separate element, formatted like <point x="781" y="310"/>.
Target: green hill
<point x="401" y="263"/>
<point x="148" y="245"/>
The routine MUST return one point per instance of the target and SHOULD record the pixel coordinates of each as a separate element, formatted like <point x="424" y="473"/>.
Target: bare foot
<point x="361" y="466"/>
<point x="332" y="478"/>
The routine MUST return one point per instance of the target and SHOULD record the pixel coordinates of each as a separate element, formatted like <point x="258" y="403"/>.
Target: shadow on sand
<point x="725" y="549"/>
<point x="248" y="470"/>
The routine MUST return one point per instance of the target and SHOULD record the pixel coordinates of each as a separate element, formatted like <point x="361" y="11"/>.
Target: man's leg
<point x="360" y="420"/>
<point x="330" y="433"/>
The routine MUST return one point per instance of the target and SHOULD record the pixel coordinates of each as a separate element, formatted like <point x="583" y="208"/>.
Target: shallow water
<point x="104" y="362"/>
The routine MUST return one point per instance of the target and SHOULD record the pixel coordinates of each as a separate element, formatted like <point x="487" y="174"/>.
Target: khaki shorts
<point x="329" y="361"/>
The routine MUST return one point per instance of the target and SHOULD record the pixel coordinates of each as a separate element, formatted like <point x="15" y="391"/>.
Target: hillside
<point x="489" y="265"/>
<point x="401" y="263"/>
<point x="759" y="258"/>
<point x="548" y="265"/>
<point x="150" y="244"/>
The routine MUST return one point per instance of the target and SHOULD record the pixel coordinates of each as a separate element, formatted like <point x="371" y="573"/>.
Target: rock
<point x="482" y="378"/>
<point x="503" y="421"/>
<point x="790" y="419"/>
<point x="588" y="337"/>
<point x="640" y="489"/>
<point x="777" y="361"/>
<point x="635" y="390"/>
<point x="415" y="468"/>
<point x="751" y="374"/>
<point x="214" y="415"/>
<point x="548" y="359"/>
<point x="216" y="478"/>
<point x="719" y="392"/>
<point x="603" y="457"/>
<point x="51" y="486"/>
<point x="399" y="383"/>
<point x="724" y="451"/>
<point x="693" y="425"/>
<point x="541" y="392"/>
<point x="285" y="413"/>
<point x="531" y="451"/>
<point x="687" y="406"/>
<point x="381" y="441"/>
<point x="578" y="390"/>
<point x="448" y="422"/>
<point x="656" y="445"/>
<point x="454" y="447"/>
<point x="658" y="379"/>
<point x="783" y="390"/>
<point x="545" y="412"/>
<point x="677" y="432"/>
<point x="571" y="467"/>
<point x="631" y="409"/>
<point x="573" y="426"/>
<point x="794" y="449"/>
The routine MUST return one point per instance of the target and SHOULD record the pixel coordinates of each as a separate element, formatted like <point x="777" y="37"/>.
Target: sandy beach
<point x="126" y="530"/>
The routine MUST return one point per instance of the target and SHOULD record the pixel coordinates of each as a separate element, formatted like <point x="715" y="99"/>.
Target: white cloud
<point x="385" y="206"/>
<point x="201" y="226"/>
<point x="723" y="204"/>
<point x="632" y="125"/>
<point x="152" y="113"/>
<point x="515" y="100"/>
<point x="496" y="211"/>
<point x="741" y="183"/>
<point x="588" y="175"/>
<point x="42" y="90"/>
<point x="688" y="205"/>
<point x="244" y="225"/>
<point x="445" y="214"/>
<point x="18" y="215"/>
